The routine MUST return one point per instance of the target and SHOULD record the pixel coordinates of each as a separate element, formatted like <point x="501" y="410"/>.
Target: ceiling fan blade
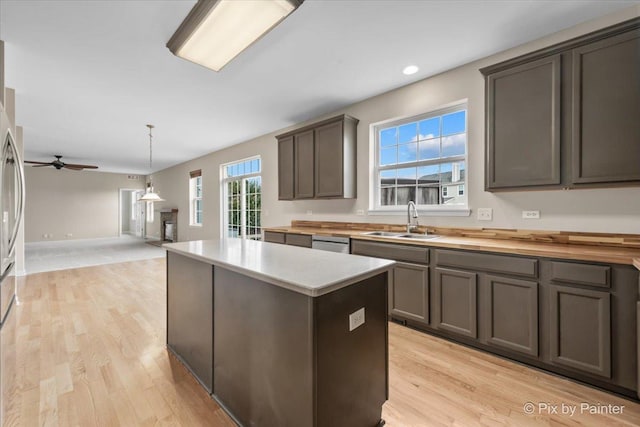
<point x="38" y="163"/>
<point x="73" y="165"/>
<point x="44" y="165"/>
<point x="73" y="168"/>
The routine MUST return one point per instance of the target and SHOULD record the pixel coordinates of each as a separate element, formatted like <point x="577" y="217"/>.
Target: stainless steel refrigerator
<point x="11" y="206"/>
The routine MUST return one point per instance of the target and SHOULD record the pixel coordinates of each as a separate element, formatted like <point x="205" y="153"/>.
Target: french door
<point x="242" y="199"/>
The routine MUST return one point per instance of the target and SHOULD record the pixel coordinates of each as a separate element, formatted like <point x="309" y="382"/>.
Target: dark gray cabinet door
<point x="511" y="314"/>
<point x="638" y="346"/>
<point x="605" y="110"/>
<point x="456" y="300"/>
<point x="580" y="329"/>
<point x="274" y="237"/>
<point x="409" y="292"/>
<point x="329" y="166"/>
<point x="304" y="165"/>
<point x="285" y="168"/>
<point x="523" y="125"/>
<point x="294" y="239"/>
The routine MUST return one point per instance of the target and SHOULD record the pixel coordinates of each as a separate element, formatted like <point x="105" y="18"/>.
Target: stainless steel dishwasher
<point x="330" y="243"/>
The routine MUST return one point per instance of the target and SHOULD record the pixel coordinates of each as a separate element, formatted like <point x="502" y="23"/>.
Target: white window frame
<point x="429" y="210"/>
<point x="224" y="180"/>
<point x="193" y="200"/>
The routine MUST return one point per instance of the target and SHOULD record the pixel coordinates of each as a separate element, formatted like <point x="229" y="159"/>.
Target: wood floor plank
<point x="86" y="347"/>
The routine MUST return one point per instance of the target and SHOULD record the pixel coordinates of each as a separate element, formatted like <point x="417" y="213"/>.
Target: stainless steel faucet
<point x="410" y="226"/>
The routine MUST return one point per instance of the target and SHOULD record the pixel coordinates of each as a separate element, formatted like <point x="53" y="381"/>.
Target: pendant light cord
<point x="150" y="157"/>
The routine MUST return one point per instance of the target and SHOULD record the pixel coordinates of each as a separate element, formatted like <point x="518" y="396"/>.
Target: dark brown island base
<point x="281" y="335"/>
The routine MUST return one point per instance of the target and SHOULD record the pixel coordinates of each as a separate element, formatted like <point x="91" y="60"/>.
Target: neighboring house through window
<point x="195" y="197"/>
<point x="242" y="199"/>
<point x="422" y="158"/>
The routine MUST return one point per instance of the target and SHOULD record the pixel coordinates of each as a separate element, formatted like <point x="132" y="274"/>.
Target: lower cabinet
<point x="409" y="292"/>
<point x="510" y="314"/>
<point x="577" y="319"/>
<point x="457" y="301"/>
<point x="580" y="329"/>
<point x="295" y="239"/>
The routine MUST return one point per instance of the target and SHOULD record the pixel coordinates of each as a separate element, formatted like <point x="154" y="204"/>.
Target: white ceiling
<point x="90" y="74"/>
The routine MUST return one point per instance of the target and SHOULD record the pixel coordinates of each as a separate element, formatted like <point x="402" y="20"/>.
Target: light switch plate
<point x="356" y="319"/>
<point x="531" y="214"/>
<point x="485" y="214"/>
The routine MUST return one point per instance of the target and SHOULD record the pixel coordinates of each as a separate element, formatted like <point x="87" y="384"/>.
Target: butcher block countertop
<point x="596" y="251"/>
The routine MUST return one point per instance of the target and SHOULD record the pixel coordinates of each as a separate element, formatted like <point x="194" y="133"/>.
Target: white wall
<point x="597" y="210"/>
<point x="84" y="204"/>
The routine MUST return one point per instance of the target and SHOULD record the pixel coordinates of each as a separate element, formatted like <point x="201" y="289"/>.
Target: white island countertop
<point x="307" y="271"/>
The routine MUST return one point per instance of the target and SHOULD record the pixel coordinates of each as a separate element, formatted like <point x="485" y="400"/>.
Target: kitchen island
<point x="281" y="335"/>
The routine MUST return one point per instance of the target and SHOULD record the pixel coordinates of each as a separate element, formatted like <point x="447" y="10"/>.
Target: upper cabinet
<point x="523" y="125"/>
<point x="566" y="116"/>
<point x="606" y="110"/>
<point x="318" y="161"/>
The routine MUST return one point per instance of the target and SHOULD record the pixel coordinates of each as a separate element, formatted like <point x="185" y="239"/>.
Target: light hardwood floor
<point x="85" y="347"/>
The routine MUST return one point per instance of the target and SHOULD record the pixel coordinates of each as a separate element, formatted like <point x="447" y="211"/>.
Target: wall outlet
<point x="360" y="212"/>
<point x="531" y="214"/>
<point x="485" y="214"/>
<point x="69" y="235"/>
<point x="356" y="319"/>
<point x="309" y="212"/>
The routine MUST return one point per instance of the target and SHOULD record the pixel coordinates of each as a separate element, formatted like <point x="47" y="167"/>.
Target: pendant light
<point x="149" y="195"/>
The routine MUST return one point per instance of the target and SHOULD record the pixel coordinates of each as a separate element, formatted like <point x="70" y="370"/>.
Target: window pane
<point x="430" y="128"/>
<point x="408" y="152"/>
<point x="452" y="172"/>
<point x="388" y="156"/>
<point x="429" y="175"/>
<point x="445" y="173"/>
<point x="453" y="123"/>
<point x="388" y="177"/>
<point x="430" y="149"/>
<point x="408" y="133"/>
<point x="453" y="145"/>
<point x="406" y="194"/>
<point x="406" y="176"/>
<point x="388" y="137"/>
<point x="388" y="196"/>
<point x="428" y="195"/>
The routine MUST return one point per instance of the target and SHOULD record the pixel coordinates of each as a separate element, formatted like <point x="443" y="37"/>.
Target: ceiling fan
<point x="59" y="164"/>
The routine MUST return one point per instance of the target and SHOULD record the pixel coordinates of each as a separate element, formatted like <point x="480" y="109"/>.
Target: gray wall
<point x="597" y="210"/>
<point x="84" y="204"/>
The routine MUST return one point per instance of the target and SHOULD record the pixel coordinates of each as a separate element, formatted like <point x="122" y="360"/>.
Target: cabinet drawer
<point x="298" y="240"/>
<point x="273" y="237"/>
<point x="584" y="274"/>
<point x="497" y="263"/>
<point x="414" y="254"/>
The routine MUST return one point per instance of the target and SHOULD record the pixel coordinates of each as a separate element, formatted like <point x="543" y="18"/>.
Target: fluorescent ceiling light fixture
<point x="410" y="69"/>
<point x="216" y="31"/>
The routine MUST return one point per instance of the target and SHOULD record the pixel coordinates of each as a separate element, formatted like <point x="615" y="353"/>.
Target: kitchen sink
<point x="382" y="234"/>
<point x="401" y="235"/>
<point x="419" y="236"/>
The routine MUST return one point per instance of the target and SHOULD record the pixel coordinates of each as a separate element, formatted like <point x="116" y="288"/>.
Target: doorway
<point x="132" y="219"/>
